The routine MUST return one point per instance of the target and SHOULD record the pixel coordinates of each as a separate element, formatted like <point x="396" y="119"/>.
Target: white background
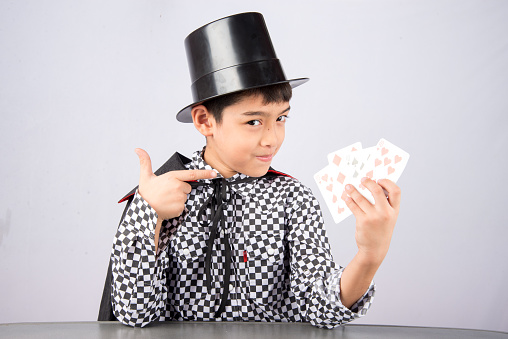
<point x="83" y="83"/>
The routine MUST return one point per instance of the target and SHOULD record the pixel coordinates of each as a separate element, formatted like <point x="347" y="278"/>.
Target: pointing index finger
<point x="190" y="175"/>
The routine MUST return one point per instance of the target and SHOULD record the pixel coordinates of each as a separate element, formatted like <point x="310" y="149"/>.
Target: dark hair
<point x="271" y="94"/>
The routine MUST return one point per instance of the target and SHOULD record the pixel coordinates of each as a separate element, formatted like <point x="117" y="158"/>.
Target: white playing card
<point x="357" y="162"/>
<point x="337" y="157"/>
<point x="361" y="162"/>
<point x="350" y="164"/>
<point x="331" y="185"/>
<point x="389" y="161"/>
<point x="385" y="161"/>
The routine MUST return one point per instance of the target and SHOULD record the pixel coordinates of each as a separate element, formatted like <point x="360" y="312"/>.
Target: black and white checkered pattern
<point x="282" y="267"/>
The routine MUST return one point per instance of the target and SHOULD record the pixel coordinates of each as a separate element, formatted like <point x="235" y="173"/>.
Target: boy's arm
<point x="314" y="277"/>
<point x="334" y="296"/>
<point x="138" y="265"/>
<point x="374" y="229"/>
<point x="138" y="290"/>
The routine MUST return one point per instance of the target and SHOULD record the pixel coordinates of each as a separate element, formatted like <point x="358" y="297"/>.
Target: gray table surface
<point x="223" y="330"/>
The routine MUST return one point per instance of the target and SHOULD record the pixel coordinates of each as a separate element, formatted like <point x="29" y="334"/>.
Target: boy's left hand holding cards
<point x="350" y="164"/>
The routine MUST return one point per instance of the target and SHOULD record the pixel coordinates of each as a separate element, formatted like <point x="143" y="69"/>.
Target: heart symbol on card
<point x="390" y="170"/>
<point x="334" y="199"/>
<point x="384" y="150"/>
<point x="337" y="160"/>
<point x="397" y="159"/>
<point x="325" y="177"/>
<point x="369" y="174"/>
<point x="340" y="210"/>
<point x="377" y="162"/>
<point x="329" y="187"/>
<point x="361" y="186"/>
<point x="387" y="161"/>
<point x="340" y="178"/>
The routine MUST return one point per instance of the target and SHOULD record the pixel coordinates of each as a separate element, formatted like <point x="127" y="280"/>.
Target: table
<point x="225" y="330"/>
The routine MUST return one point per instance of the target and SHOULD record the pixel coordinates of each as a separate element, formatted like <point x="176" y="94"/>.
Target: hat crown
<point x="227" y="42"/>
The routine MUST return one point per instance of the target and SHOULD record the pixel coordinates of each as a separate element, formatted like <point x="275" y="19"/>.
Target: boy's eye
<point x="254" y="122"/>
<point x="282" y="118"/>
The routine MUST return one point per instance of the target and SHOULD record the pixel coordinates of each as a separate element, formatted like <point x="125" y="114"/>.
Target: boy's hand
<point x="374" y="223"/>
<point x="167" y="193"/>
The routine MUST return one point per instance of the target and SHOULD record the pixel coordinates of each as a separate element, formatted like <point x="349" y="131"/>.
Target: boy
<point x="224" y="237"/>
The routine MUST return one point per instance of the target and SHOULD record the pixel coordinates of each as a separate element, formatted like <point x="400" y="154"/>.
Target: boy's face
<point x="248" y="137"/>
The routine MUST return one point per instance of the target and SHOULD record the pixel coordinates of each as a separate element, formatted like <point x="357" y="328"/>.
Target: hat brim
<point x="185" y="114"/>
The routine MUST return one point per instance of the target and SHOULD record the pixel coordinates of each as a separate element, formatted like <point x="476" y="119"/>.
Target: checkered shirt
<point x="281" y="268"/>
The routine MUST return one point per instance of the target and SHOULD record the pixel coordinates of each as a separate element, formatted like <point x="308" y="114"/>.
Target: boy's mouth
<point x="265" y="158"/>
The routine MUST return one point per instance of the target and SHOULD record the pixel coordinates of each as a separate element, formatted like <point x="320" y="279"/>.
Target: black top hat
<point x="231" y="54"/>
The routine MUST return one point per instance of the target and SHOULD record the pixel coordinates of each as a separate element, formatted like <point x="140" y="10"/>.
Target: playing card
<point x="331" y="185"/>
<point x="350" y="164"/>
<point x="337" y="157"/>
<point x="389" y="161"/>
<point x="356" y="162"/>
<point x="383" y="161"/>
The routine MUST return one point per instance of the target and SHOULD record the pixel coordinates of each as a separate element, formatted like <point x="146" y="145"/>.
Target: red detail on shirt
<point x="277" y="172"/>
<point x="244" y="256"/>
<point x="126" y="198"/>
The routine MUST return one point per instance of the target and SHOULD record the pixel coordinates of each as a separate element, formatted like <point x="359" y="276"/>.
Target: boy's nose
<point x="269" y="137"/>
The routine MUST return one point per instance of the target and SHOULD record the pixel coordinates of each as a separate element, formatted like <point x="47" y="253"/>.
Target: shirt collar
<point x="244" y="188"/>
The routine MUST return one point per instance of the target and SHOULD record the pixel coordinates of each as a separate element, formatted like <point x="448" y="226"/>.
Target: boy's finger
<point x="187" y="188"/>
<point x="145" y="163"/>
<point x="358" y="198"/>
<point x="393" y="192"/>
<point x="191" y="175"/>
<point x="375" y="189"/>
<point x="353" y="206"/>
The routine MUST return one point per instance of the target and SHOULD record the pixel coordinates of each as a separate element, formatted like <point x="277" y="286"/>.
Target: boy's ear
<point x="203" y="120"/>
